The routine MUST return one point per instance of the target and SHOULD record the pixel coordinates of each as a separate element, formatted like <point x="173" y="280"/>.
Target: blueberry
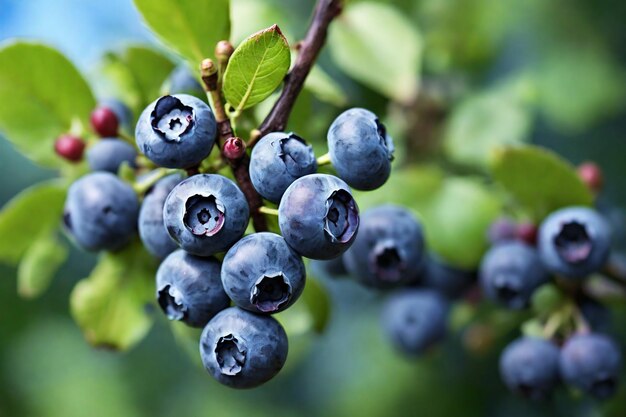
<point x="360" y="149"/>
<point x="510" y="272"/>
<point x="176" y="131"/>
<point x="595" y="313"/>
<point x="152" y="231"/>
<point x="530" y="367"/>
<point x="108" y="154"/>
<point x="206" y="214"/>
<point x="121" y="110"/>
<point x="277" y="160"/>
<point x="389" y="249"/>
<point x="189" y="288"/>
<point x="574" y="242"/>
<point x="101" y="211"/>
<point x="318" y="217"/>
<point x="447" y="279"/>
<point x="241" y="349"/>
<point x="415" y="319"/>
<point x="262" y="274"/>
<point x="182" y="81"/>
<point x="592" y="363"/>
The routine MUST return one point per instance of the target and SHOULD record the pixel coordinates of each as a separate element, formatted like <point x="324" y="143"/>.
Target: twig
<point x="325" y="12"/>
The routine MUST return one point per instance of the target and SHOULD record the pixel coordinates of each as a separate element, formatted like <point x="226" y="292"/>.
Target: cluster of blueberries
<point x="190" y="222"/>
<point x="570" y="245"/>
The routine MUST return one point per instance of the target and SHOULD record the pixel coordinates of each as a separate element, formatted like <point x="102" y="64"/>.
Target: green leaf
<point x="488" y="120"/>
<point x="39" y="265"/>
<point x="135" y="75"/>
<point x="110" y="306"/>
<point x="540" y="180"/>
<point x="378" y="46"/>
<point x="579" y="87"/>
<point x="189" y="27"/>
<point x="256" y="68"/>
<point x="42" y="96"/>
<point x="35" y="211"/>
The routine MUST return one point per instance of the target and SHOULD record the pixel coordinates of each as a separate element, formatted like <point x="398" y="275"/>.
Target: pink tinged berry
<point x="70" y="147"/>
<point x="527" y="232"/>
<point x="591" y="174"/>
<point x="234" y="148"/>
<point x="104" y="121"/>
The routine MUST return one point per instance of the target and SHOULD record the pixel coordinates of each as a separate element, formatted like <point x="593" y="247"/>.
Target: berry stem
<point x="310" y="46"/>
<point x="323" y="160"/>
<point x="268" y="210"/>
<point x="553" y="324"/>
<point x="238" y="166"/>
<point x="143" y="186"/>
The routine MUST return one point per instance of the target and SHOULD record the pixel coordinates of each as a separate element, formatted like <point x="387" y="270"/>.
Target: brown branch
<point x="309" y="48"/>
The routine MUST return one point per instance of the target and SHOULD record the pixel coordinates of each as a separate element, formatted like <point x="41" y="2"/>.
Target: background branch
<point x="325" y="12"/>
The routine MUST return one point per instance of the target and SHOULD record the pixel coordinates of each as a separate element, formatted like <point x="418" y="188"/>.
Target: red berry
<point x="591" y="174"/>
<point x="104" y="122"/>
<point x="70" y="147"/>
<point x="527" y="232"/>
<point x="234" y="148"/>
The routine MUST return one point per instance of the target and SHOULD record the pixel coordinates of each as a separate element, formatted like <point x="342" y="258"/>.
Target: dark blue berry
<point x="530" y="367"/>
<point x="206" y="214"/>
<point x="109" y="153"/>
<point x="574" y="242"/>
<point x="389" y="249"/>
<point x="189" y="288"/>
<point x="152" y="231"/>
<point x="176" y="131"/>
<point x="277" y="160"/>
<point x="101" y="212"/>
<point x="415" y="319"/>
<point x="591" y="362"/>
<point x="241" y="349"/>
<point x="360" y="149"/>
<point x="510" y="272"/>
<point x="318" y="217"/>
<point x="262" y="274"/>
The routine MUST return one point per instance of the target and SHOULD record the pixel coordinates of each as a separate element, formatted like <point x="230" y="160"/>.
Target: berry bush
<point x="263" y="198"/>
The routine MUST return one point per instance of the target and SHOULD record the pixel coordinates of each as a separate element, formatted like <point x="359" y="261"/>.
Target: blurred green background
<point x="547" y="72"/>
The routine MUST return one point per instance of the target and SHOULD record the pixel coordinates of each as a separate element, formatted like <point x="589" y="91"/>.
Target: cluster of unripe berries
<point x="190" y="223"/>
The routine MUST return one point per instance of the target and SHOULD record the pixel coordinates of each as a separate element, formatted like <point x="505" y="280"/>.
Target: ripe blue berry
<point x="510" y="272"/>
<point x="389" y="249"/>
<point x="592" y="363"/>
<point x="101" y="211"/>
<point x="574" y="242"/>
<point x="176" y="131"/>
<point x="318" y="217"/>
<point x="152" y="231"/>
<point x="415" y="319"/>
<point x="189" y="288"/>
<point x="241" y="349"/>
<point x="262" y="274"/>
<point x="530" y="367"/>
<point x="360" y="149"/>
<point x="206" y="214"/>
<point x="108" y="154"/>
<point x="182" y="81"/>
<point x="277" y="160"/>
<point x="447" y="279"/>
